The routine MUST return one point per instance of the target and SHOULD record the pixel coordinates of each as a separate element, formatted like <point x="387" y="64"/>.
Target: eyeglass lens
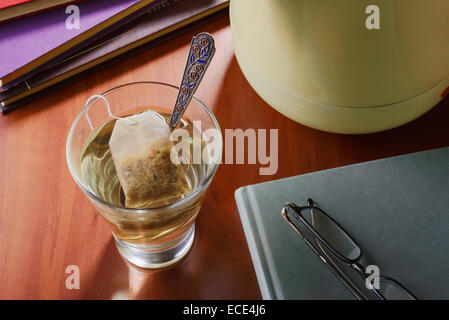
<point x="332" y="233"/>
<point x="392" y="290"/>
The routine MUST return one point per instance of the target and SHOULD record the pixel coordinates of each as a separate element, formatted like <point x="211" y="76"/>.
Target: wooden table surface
<point x="46" y="222"/>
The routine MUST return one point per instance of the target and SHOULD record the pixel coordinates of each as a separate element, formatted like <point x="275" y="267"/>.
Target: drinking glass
<point x="156" y="237"/>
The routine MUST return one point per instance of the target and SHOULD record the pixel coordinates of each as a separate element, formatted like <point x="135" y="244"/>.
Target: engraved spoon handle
<point x="201" y="51"/>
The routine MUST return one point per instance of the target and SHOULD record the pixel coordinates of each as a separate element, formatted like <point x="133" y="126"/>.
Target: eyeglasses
<point x="331" y="240"/>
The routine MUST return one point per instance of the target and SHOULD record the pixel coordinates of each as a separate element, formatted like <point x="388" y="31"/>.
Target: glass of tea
<point x="161" y="232"/>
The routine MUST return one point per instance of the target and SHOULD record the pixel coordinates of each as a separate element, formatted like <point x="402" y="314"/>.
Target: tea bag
<point x="140" y="148"/>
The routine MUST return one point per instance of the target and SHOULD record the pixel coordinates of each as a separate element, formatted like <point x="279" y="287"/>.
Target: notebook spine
<point x="246" y="212"/>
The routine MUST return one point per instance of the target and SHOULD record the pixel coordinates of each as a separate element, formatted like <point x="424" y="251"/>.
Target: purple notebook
<point x="23" y="41"/>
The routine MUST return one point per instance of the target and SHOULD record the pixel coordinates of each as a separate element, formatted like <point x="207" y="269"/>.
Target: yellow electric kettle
<point x="346" y="66"/>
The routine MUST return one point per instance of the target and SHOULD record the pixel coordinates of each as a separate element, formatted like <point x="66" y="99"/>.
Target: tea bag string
<point x="108" y="108"/>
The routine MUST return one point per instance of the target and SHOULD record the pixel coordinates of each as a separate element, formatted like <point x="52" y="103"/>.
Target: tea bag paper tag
<point x="133" y="136"/>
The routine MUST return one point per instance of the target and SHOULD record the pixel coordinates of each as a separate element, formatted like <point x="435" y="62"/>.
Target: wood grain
<point x="46" y="223"/>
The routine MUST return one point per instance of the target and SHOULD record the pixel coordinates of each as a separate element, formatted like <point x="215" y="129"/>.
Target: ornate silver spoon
<point x="201" y="51"/>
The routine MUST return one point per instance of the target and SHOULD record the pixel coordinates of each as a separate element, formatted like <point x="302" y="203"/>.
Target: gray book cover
<point x="397" y="209"/>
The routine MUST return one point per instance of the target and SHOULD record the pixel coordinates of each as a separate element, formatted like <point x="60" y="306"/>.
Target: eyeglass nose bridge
<point x="358" y="267"/>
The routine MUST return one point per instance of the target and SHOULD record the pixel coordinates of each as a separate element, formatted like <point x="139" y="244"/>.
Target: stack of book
<point x="47" y="44"/>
